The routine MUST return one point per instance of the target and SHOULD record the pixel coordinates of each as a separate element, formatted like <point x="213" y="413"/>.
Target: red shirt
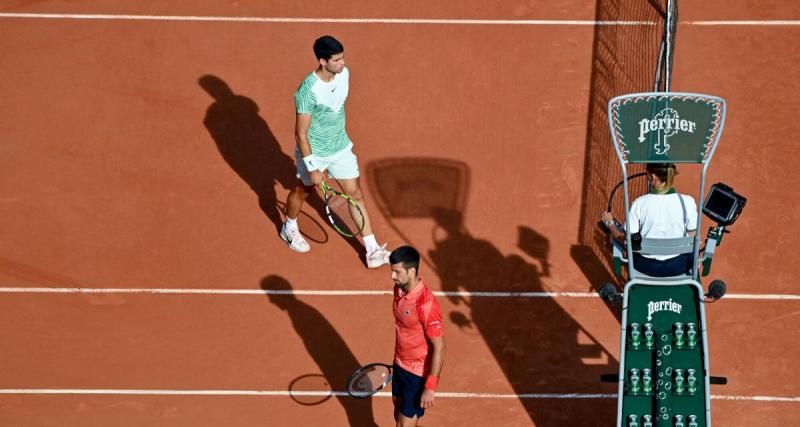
<point x="417" y="317"/>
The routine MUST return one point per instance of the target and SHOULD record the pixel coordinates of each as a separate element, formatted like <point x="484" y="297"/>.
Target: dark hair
<point x="406" y="255"/>
<point x="665" y="172"/>
<point x="327" y="46"/>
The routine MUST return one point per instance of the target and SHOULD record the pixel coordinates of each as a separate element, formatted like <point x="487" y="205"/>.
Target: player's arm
<point x="301" y="126"/>
<point x="302" y="123"/>
<point x="437" y="361"/>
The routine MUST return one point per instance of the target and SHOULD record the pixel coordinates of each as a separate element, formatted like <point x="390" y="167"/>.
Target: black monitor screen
<point x="720" y="203"/>
<point x="723" y="205"/>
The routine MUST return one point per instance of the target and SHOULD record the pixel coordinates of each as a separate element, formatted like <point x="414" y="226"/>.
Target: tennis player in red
<point x="419" y="339"/>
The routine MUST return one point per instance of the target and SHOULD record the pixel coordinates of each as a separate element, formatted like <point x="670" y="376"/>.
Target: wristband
<point x="310" y="162"/>
<point x="431" y="382"/>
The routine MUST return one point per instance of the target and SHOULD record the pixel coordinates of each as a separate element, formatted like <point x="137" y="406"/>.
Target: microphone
<point x="716" y="290"/>
<point x="608" y="292"/>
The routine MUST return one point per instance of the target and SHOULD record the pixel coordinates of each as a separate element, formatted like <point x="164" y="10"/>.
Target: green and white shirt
<point x="324" y="101"/>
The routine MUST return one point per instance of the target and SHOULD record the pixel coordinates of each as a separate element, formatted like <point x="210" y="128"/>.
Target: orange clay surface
<point x="145" y="154"/>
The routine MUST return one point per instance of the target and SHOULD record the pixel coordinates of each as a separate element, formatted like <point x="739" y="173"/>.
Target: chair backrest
<point x="675" y="246"/>
<point x="666" y="127"/>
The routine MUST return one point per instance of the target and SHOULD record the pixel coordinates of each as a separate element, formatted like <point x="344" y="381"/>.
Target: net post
<point x="668" y="53"/>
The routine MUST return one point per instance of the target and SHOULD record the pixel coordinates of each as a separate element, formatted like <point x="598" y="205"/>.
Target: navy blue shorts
<point x="407" y="388"/>
<point x="680" y="264"/>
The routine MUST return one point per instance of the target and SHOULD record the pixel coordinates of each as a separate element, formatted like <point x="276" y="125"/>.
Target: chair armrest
<point x="618" y="256"/>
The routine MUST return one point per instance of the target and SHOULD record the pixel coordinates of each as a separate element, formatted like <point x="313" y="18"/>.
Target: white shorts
<point x="342" y="165"/>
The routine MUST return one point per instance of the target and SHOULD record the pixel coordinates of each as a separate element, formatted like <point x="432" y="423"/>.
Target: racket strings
<point x="345" y="215"/>
<point x="370" y="380"/>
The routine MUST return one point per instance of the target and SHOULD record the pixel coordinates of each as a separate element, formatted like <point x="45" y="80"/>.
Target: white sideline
<point x="288" y="292"/>
<point x="279" y="20"/>
<point x="287" y="20"/>
<point x="299" y="393"/>
<point x="44" y="290"/>
<point x="456" y="395"/>
<point x="744" y="23"/>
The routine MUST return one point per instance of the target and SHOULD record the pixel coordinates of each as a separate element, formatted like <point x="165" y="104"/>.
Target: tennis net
<point x="626" y="59"/>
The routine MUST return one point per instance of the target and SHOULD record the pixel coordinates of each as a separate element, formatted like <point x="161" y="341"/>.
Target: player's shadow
<point x="537" y="344"/>
<point x="324" y="344"/>
<point x="246" y="142"/>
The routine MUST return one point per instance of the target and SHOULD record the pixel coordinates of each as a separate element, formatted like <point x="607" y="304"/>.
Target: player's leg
<point x="376" y="254"/>
<point x="344" y="168"/>
<point x="352" y="188"/>
<point x="294" y="201"/>
<point x="404" y="421"/>
<point x="290" y="231"/>
<point x="397" y="399"/>
<point x="406" y="392"/>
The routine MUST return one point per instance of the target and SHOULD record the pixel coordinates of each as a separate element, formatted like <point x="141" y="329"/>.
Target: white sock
<point x="370" y="243"/>
<point x="291" y="223"/>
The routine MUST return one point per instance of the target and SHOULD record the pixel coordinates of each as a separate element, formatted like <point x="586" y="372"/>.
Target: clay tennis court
<point x="146" y="151"/>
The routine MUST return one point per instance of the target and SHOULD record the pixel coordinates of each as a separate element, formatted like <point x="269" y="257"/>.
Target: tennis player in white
<point x="323" y="145"/>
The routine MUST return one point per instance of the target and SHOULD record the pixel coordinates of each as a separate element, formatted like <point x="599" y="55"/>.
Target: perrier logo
<point x="668" y="305"/>
<point x="666" y="123"/>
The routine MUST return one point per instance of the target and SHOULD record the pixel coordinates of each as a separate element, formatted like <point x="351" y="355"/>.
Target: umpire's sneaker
<point x="294" y="239"/>
<point x="378" y="257"/>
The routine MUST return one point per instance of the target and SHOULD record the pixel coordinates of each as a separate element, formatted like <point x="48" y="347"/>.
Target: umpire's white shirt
<point x="661" y="216"/>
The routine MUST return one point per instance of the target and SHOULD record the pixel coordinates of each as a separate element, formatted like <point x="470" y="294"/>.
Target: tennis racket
<point x="368" y="380"/>
<point x="343" y="213"/>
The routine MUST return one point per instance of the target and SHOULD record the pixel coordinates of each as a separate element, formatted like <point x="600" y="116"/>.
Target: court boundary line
<point x="301" y="292"/>
<point x="457" y="395"/>
<point x="412" y="21"/>
<point x="767" y="23"/>
<point x="302" y="20"/>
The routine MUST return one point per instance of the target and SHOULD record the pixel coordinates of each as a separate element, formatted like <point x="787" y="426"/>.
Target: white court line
<point x="744" y="23"/>
<point x="289" y="292"/>
<point x="286" y="20"/>
<point x="300" y="393"/>
<point x="763" y="296"/>
<point x="324" y="20"/>
<point x="455" y="395"/>
<point x="41" y="290"/>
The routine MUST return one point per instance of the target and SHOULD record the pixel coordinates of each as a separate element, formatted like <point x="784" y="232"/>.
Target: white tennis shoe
<point x="294" y="239"/>
<point x="378" y="257"/>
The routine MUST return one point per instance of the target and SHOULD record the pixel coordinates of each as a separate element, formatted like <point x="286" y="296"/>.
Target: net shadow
<point x="625" y="59"/>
